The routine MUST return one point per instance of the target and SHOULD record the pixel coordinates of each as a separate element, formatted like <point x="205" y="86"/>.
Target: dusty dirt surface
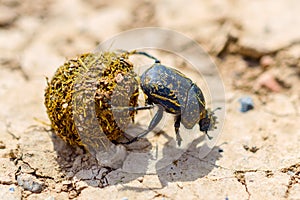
<point x="255" y="45"/>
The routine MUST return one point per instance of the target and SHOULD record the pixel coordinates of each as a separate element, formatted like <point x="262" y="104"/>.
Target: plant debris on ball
<point x="116" y="84"/>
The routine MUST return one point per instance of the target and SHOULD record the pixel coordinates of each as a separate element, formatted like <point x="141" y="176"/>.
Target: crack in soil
<point x="16" y="155"/>
<point x="294" y="172"/>
<point x="18" y="161"/>
<point x="240" y="176"/>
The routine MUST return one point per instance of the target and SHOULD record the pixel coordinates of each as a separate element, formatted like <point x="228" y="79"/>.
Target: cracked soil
<point x="255" y="46"/>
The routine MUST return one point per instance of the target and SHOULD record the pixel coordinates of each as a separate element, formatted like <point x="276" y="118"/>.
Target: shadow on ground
<point x="76" y="164"/>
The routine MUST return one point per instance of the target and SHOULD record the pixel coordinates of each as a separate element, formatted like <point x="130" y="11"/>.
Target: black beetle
<point x="174" y="93"/>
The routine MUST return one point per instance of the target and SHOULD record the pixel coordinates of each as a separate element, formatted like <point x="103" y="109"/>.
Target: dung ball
<point x="112" y="82"/>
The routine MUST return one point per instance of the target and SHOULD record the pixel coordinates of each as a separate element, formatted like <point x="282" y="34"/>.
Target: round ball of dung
<point x="112" y="86"/>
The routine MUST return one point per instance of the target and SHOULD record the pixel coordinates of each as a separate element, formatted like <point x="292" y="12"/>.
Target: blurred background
<point x="255" y="45"/>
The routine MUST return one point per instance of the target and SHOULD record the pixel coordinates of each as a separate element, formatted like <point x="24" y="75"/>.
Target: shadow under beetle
<point x="174" y="93"/>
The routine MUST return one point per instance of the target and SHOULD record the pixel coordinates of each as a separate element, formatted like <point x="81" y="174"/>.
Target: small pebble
<point x="140" y="179"/>
<point x="246" y="104"/>
<point x="66" y="186"/>
<point x="7" y="16"/>
<point x="252" y="149"/>
<point x="81" y="185"/>
<point x="65" y="105"/>
<point x="12" y="189"/>
<point x="180" y="185"/>
<point x="119" y="78"/>
<point x="2" y="145"/>
<point x="266" y="61"/>
<point x="291" y="173"/>
<point x="268" y="81"/>
<point x="29" y="182"/>
<point x="72" y="194"/>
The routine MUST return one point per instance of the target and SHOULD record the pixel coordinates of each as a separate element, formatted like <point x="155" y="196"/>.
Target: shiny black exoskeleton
<point x="174" y="93"/>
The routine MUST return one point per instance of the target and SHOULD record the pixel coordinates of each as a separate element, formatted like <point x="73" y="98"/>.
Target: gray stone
<point x="29" y="182"/>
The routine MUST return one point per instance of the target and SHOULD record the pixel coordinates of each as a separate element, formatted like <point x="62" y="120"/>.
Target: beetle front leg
<point x="177" y="126"/>
<point x="129" y="108"/>
<point x="208" y="136"/>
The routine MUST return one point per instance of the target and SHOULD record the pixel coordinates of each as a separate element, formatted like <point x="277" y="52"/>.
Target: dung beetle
<point x="173" y="93"/>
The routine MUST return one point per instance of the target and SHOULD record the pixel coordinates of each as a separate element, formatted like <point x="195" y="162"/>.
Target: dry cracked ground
<point x="256" y="46"/>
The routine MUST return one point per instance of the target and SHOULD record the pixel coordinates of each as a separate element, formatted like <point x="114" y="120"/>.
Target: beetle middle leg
<point x="154" y="122"/>
<point x="129" y="108"/>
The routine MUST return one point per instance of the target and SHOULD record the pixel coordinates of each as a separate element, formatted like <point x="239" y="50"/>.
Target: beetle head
<point x="208" y="123"/>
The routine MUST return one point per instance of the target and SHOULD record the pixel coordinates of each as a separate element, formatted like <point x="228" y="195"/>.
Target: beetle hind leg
<point x="177" y="126"/>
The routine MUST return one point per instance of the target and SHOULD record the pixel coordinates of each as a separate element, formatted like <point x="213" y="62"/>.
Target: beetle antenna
<point x="214" y="110"/>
